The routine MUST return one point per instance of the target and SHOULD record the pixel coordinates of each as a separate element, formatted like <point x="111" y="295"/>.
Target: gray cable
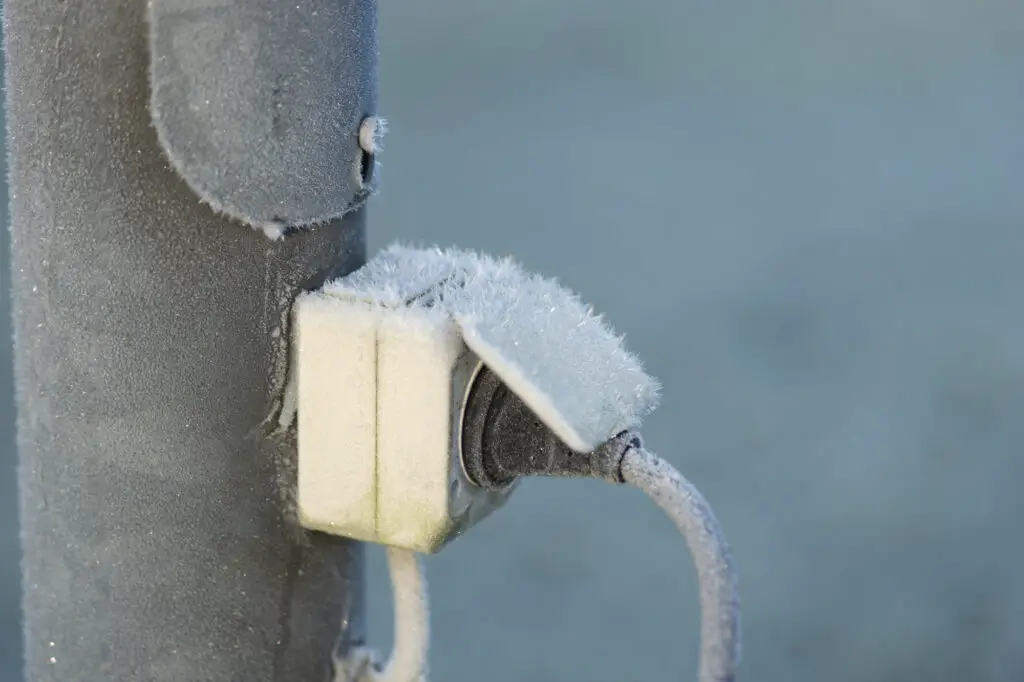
<point x="503" y="440"/>
<point x="719" y="597"/>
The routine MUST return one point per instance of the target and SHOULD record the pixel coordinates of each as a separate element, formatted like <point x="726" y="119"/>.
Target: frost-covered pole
<point x="151" y="331"/>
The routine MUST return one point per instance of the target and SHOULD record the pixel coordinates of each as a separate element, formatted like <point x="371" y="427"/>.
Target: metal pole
<point x="150" y="339"/>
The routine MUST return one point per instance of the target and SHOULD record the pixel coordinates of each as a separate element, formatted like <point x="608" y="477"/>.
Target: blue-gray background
<point x="808" y="217"/>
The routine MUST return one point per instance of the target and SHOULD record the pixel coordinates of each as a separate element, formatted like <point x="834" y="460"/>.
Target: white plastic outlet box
<point x="381" y="386"/>
<point x="383" y="362"/>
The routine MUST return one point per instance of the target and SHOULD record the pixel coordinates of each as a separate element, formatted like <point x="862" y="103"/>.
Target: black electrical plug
<point x="503" y="439"/>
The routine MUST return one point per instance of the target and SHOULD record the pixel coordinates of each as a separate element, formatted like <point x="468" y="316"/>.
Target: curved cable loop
<point x="720" y="641"/>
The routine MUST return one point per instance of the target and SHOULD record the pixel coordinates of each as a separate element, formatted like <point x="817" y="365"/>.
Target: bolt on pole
<point x="151" y="331"/>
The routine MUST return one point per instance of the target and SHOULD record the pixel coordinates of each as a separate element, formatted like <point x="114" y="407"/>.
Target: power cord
<point x="408" y="662"/>
<point x="719" y="599"/>
<point x="503" y="440"/>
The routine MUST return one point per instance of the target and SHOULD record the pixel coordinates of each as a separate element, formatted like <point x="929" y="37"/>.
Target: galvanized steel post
<point x="151" y="332"/>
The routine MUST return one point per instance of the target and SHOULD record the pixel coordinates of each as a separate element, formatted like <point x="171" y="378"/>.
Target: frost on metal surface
<point x="563" y="360"/>
<point x="252" y="112"/>
<point x="399" y="275"/>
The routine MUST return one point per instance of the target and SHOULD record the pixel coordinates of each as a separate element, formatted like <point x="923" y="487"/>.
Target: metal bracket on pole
<point x="257" y="103"/>
<point x="151" y="332"/>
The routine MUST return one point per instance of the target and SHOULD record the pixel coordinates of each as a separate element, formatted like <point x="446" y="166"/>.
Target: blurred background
<point x="807" y="216"/>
